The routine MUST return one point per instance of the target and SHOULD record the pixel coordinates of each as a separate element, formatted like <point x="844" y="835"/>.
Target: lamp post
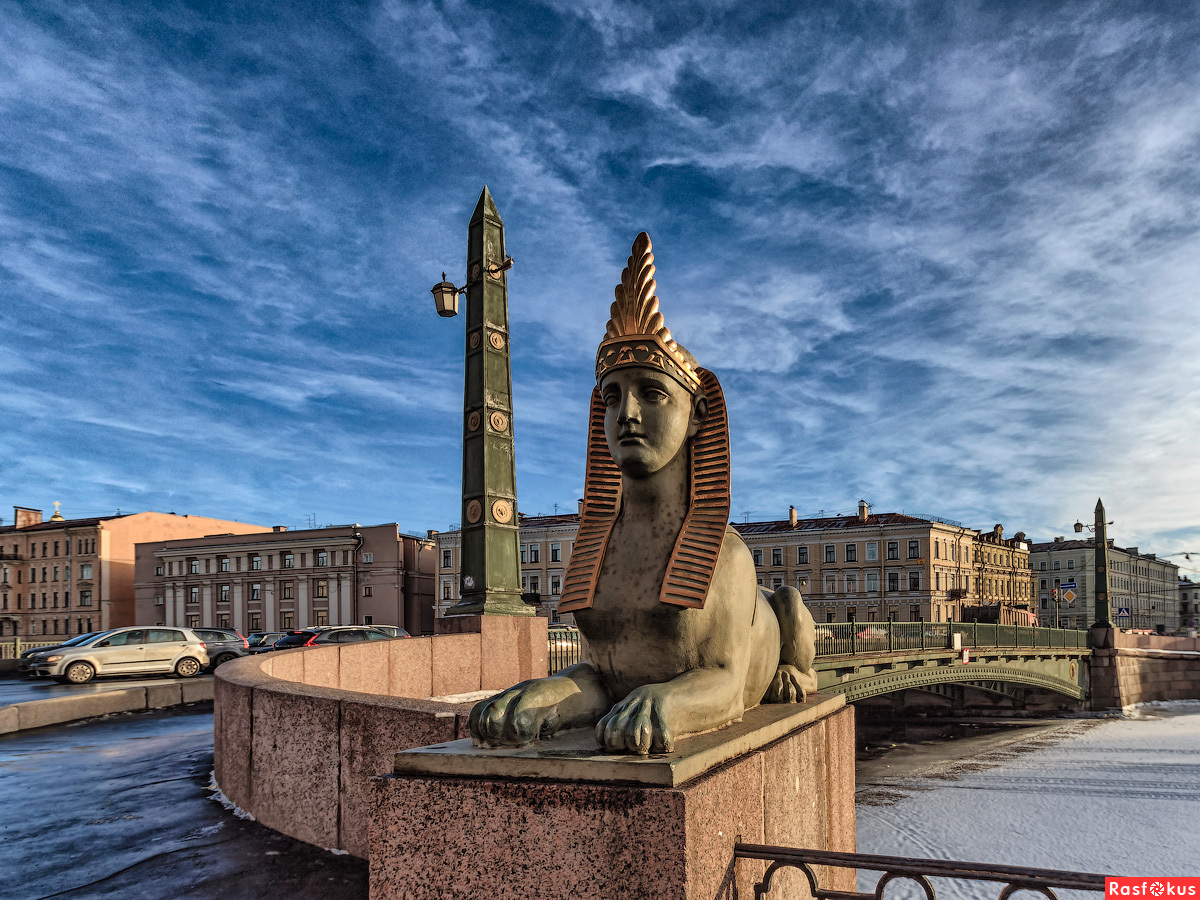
<point x="1103" y="582"/>
<point x="490" y="570"/>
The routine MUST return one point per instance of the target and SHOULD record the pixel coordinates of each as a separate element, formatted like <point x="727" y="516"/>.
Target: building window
<point x="830" y="553"/>
<point x="1057" y="564"/>
<point x="852" y="553"/>
<point x="193" y="621"/>
<point x="193" y="567"/>
<point x="368" y="557"/>
<point x="802" y="556"/>
<point x="256" y="592"/>
<point x="757" y="554"/>
<point x="556" y="553"/>
<point x="85" y="598"/>
<point x="446" y="591"/>
<point x="223" y="564"/>
<point x="255" y="563"/>
<point x="893" y="550"/>
<point x="222" y="620"/>
<point x="914" y="581"/>
<point x="937" y="581"/>
<point x="850" y="614"/>
<point x="852" y="582"/>
<point x="322" y="617"/>
<point x="830" y="584"/>
<point x="158" y="570"/>
<point x="158" y="600"/>
<point x="223" y="593"/>
<point x="555" y="585"/>
<point x="893" y="581"/>
<point x="872" y="581"/>
<point x="321" y="558"/>
<point x="1070" y="563"/>
<point x="535" y="554"/>
<point x="85" y="572"/>
<point x="321" y="587"/>
<point x="777" y="556"/>
<point x="193" y="595"/>
<point x="914" y="549"/>
<point x="287" y="620"/>
<point x="914" y="613"/>
<point x="872" y="551"/>
<point x="255" y="620"/>
<point x="447" y="560"/>
<point x="535" y="584"/>
<point x="937" y="549"/>
<point x="287" y="590"/>
<point x="367" y="590"/>
<point x="287" y="560"/>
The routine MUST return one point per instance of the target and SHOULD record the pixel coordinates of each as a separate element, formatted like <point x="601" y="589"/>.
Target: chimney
<point x="1058" y="540"/>
<point x="278" y="528"/>
<point x="792" y="516"/>
<point x="431" y="534"/>
<point x="1132" y="551"/>
<point x="580" y="501"/>
<point x="863" y="509"/>
<point x="24" y="517"/>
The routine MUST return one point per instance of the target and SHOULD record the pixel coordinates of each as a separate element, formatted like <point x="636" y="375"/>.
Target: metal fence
<point x="13" y="649"/>
<point x="840" y="638"/>
<point x="565" y="648"/>
<point x="815" y="863"/>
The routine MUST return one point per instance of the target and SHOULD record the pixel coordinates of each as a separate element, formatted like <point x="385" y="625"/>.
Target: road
<point x="120" y="807"/>
<point x="21" y="690"/>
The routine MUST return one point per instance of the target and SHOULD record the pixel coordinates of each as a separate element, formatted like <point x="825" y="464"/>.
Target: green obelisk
<point x="1103" y="579"/>
<point x="491" y="570"/>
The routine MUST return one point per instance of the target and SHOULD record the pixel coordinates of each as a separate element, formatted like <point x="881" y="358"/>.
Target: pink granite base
<point x="463" y="837"/>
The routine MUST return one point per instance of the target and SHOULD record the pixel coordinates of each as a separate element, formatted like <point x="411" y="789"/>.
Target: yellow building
<point x="71" y="576"/>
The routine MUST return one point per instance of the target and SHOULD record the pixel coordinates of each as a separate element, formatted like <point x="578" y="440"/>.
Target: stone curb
<point x="57" y="710"/>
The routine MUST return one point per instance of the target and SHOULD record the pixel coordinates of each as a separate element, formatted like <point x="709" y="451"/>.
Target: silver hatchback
<point x="127" y="651"/>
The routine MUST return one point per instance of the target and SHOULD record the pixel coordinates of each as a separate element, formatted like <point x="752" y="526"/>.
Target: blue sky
<point x="943" y="257"/>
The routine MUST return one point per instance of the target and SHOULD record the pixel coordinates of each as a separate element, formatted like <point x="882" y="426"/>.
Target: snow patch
<point x="219" y="795"/>
<point x="472" y="697"/>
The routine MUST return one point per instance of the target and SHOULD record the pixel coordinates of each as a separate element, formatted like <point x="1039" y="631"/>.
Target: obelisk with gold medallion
<point x="490" y="579"/>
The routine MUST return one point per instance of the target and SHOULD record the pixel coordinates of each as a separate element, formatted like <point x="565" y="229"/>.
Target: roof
<point x="52" y="524"/>
<point x="547" y="521"/>
<point x="832" y="523"/>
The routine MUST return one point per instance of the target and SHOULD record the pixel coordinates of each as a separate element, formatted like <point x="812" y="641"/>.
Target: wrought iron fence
<point x="13" y="649"/>
<point x="816" y="863"/>
<point x="565" y="647"/>
<point x="838" y="638"/>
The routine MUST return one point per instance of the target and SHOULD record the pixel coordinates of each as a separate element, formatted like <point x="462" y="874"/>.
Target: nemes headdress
<point x="638" y="336"/>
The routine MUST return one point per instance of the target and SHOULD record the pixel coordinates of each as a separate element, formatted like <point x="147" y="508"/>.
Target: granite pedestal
<point x="559" y="820"/>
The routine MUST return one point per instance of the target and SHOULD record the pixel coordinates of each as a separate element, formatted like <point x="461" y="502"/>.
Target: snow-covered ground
<point x="1111" y="796"/>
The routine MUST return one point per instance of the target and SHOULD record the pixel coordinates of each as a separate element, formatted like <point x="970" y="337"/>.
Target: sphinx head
<point x="648" y="418"/>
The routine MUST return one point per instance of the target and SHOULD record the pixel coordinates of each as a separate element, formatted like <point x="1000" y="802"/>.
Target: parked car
<point x="872" y="633"/>
<point x="315" y="637"/>
<point x="262" y="641"/>
<point x="127" y="651"/>
<point x="30" y="657"/>
<point x="393" y="630"/>
<point x="223" y="644"/>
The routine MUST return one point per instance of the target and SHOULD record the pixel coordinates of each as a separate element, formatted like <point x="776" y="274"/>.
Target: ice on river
<point x="1115" y="796"/>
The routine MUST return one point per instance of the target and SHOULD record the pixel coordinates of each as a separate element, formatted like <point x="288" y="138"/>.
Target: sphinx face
<point x="648" y="419"/>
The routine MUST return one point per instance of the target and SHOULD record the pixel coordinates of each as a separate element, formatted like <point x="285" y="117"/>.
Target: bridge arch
<point x="874" y="684"/>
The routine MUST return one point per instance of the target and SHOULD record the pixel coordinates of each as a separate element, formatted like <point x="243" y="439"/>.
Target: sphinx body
<point x="681" y="639"/>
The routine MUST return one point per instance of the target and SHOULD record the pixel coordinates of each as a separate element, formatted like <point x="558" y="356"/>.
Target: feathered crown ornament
<point x="636" y="333"/>
<point x="637" y="336"/>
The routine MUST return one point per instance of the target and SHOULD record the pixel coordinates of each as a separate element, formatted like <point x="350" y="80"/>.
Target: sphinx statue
<point x="680" y="637"/>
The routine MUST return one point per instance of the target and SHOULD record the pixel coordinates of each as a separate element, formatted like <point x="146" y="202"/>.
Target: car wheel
<point x="223" y="658"/>
<point x="187" y="667"/>
<point x="79" y="673"/>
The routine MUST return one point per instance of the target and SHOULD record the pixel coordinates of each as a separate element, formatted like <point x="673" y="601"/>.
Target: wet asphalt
<point x="121" y="807"/>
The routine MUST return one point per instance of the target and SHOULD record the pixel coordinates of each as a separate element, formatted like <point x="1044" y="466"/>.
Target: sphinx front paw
<point x="515" y="717"/>
<point x="636" y="725"/>
<point x="790" y="685"/>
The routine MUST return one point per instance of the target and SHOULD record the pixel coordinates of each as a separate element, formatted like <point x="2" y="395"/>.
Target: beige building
<point x="1145" y="589"/>
<point x="867" y="567"/>
<point x="281" y="580"/>
<point x="545" y="547"/>
<point x="878" y="567"/>
<point x="71" y="576"/>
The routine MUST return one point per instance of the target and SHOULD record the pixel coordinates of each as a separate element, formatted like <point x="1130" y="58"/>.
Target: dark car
<point x="393" y="630"/>
<point x="30" y="658"/>
<point x="262" y="641"/>
<point x="317" y="637"/>
<point x="223" y="644"/>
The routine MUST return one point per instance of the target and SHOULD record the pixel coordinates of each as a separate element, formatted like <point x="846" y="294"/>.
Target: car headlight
<point x="53" y="658"/>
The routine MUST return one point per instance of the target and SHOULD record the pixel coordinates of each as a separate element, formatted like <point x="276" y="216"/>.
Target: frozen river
<point x="1110" y="796"/>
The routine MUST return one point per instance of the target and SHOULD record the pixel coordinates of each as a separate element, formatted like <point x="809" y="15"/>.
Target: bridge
<point x="865" y="660"/>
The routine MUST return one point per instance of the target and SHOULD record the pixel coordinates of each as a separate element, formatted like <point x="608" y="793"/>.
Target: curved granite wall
<point x="298" y="734"/>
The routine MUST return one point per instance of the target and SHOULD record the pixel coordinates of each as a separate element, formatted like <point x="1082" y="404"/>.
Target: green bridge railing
<point x="842" y="638"/>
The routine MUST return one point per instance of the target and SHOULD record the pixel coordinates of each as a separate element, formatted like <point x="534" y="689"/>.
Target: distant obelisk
<point x="1103" y="581"/>
<point x="491" y="569"/>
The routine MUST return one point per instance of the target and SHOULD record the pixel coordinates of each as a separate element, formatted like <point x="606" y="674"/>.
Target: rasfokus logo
<point x="1154" y="888"/>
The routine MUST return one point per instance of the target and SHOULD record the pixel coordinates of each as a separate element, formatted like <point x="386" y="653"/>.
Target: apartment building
<point x="66" y="576"/>
<point x="1145" y="589"/>
<point x="888" y="566"/>
<point x="545" y="548"/>
<point x="1189" y="603"/>
<point x="281" y="580"/>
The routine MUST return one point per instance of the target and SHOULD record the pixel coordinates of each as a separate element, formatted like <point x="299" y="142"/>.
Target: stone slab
<point x="456" y="660"/>
<point x="162" y="695"/>
<point x="196" y="691"/>
<point x="410" y="667"/>
<point x="365" y="668"/>
<point x="9" y="721"/>
<point x="572" y="756"/>
<point x="38" y="713"/>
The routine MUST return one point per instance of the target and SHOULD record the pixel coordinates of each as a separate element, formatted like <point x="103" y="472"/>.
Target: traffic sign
<point x="1123" y="612"/>
<point x="1068" y="585"/>
<point x="1069" y="596"/>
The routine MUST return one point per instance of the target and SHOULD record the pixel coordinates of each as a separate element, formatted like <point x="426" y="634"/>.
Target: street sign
<point x="1068" y="585"/>
<point x="1123" y="612"/>
<point x="1069" y="596"/>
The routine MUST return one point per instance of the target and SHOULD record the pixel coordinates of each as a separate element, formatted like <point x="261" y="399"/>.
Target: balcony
<point x="11" y="557"/>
